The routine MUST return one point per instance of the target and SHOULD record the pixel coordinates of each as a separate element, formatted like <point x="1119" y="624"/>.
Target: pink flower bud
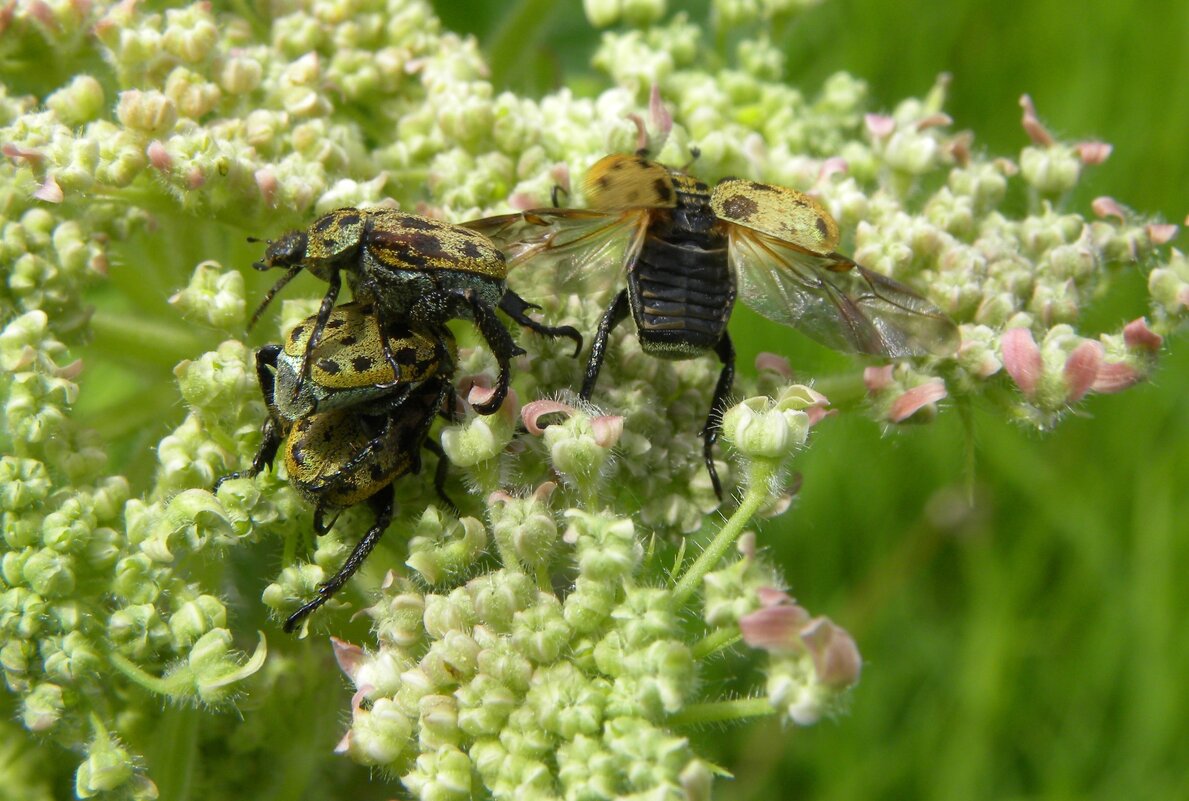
<point x="877" y="378"/>
<point x="1093" y="152"/>
<point x="916" y="399"/>
<point x="607" y="429"/>
<point x="1108" y="207"/>
<point x="1081" y="369"/>
<point x="662" y="120"/>
<point x="1115" y="377"/>
<point x="1161" y="233"/>
<point x="831" y="166"/>
<point x="267" y="182"/>
<point x="1032" y="124"/>
<point x="1021" y="358"/>
<point x="158" y="156"/>
<point x="937" y="120"/>
<point x="50" y="192"/>
<point x="534" y="411"/>
<point x="1137" y="335"/>
<point x="774" y="628"/>
<point x="836" y="658"/>
<point x="880" y="126"/>
<point x="348" y="655"/>
<point x="774" y="363"/>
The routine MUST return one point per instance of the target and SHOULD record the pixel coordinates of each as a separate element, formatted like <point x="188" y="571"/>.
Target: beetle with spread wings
<point x="687" y="251"/>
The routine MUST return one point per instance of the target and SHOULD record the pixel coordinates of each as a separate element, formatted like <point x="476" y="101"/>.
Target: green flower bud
<point x="23" y="483"/>
<point x="451" y="660"/>
<point x="525" y="527"/>
<point x="607" y="547"/>
<point x="50" y="574"/>
<point x="541" y="632"/>
<point x="399" y="619"/>
<point x="42" y="708"/>
<point x="565" y="702"/>
<point x="509" y="667"/>
<point x="443" y="614"/>
<point x="15" y="656"/>
<point x="148" y="112"/>
<point x="78" y="102"/>
<point x="107" y="768"/>
<point x="498" y="596"/>
<point x="190" y="33"/>
<point x="379" y="735"/>
<point x="137" y="630"/>
<point x="193" y="96"/>
<point x="760" y="428"/>
<point x="135" y="581"/>
<point x="479" y="439"/>
<point x="76" y="659"/>
<point x="214" y="667"/>
<point x="588" y="606"/>
<point x="484" y="705"/>
<point x="441" y="775"/>
<point x="442" y="547"/>
<point x="195" y="619"/>
<point x="214" y="296"/>
<point x="1052" y="170"/>
<point x="438" y="719"/>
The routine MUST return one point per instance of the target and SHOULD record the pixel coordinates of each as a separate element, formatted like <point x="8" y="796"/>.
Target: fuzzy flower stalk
<point x="549" y="641"/>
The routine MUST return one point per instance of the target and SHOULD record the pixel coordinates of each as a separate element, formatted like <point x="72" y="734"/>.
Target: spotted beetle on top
<point x="407" y="268"/>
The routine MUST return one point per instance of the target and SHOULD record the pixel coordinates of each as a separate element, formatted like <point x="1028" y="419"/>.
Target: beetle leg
<point x="332" y="293"/>
<point x="614" y="315"/>
<point x="500" y="342"/>
<point x="271" y="433"/>
<point x="386" y="346"/>
<point x="439" y="475"/>
<point x="710" y="431"/>
<point x="515" y="307"/>
<point x="382" y="504"/>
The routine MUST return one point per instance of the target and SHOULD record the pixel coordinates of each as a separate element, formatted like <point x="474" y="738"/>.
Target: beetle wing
<point x="836" y="301"/>
<point x="589" y="248"/>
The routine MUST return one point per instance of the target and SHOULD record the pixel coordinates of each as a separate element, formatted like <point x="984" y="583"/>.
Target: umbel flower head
<point x="552" y="639"/>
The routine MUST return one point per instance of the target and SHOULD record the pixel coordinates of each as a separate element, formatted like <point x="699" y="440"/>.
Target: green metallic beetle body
<point x="409" y="269"/>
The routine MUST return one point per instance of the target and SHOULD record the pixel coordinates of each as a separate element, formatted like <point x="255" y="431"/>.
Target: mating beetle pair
<point x="357" y="424"/>
<point x="355" y="389"/>
<point x="686" y="250"/>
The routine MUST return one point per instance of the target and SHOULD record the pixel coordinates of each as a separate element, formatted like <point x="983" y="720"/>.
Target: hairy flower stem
<point x="721" y="711"/>
<point x="140" y="677"/>
<point x="759" y="474"/>
<point x="714" y="642"/>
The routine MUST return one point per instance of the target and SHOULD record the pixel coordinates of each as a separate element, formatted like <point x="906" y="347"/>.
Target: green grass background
<point x="1034" y="644"/>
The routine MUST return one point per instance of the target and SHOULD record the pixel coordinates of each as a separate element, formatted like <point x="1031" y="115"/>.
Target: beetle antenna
<point x="277" y="287"/>
<point x="254" y="239"/>
<point x="695" y="153"/>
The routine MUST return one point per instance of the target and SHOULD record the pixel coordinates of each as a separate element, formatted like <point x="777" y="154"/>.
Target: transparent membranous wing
<point x="835" y="301"/>
<point x="574" y="250"/>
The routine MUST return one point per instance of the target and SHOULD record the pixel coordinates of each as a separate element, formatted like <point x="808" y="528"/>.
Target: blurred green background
<point x="1033" y="644"/>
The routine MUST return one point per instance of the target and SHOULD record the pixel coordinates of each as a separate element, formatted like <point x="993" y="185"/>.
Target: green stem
<point x="760" y="471"/>
<point x="715" y="641"/>
<point x="138" y="676"/>
<point x="721" y="711"/>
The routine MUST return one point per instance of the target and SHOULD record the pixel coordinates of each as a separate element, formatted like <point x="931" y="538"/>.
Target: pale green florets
<point x="549" y="641"/>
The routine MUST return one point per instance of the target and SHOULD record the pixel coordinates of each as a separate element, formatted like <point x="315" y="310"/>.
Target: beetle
<point x="406" y="268"/>
<point x="353" y="441"/>
<point x="349" y="367"/>
<point x="688" y="251"/>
